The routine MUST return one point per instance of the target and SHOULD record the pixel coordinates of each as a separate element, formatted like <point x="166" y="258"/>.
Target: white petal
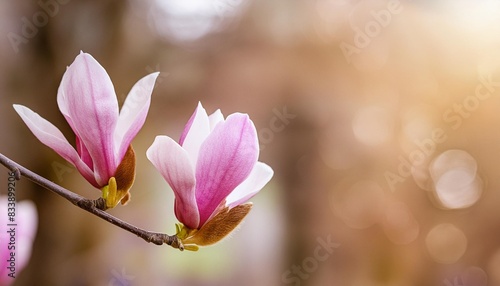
<point x="195" y="133"/>
<point x="215" y="118"/>
<point x="133" y="114"/>
<point x="27" y="219"/>
<point x="258" y="178"/>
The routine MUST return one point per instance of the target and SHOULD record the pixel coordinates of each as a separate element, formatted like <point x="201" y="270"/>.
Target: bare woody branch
<point x="96" y="207"/>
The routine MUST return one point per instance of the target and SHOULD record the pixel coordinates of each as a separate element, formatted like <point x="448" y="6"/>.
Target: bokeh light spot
<point x="455" y="178"/>
<point x="446" y="243"/>
<point x="189" y="20"/>
<point x="475" y="276"/>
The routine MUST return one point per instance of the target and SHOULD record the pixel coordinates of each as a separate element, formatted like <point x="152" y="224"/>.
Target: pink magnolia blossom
<point x="212" y="171"/>
<point x="26" y="221"/>
<point x="87" y="99"/>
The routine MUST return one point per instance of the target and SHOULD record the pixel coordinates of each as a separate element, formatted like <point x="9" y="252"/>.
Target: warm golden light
<point x="446" y="243"/>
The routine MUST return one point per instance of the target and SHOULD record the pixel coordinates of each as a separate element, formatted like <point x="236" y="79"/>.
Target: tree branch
<point x="94" y="207"/>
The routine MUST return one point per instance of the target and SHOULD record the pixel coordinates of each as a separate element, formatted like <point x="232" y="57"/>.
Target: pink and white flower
<point x="87" y="99"/>
<point x="19" y="246"/>
<point x="213" y="170"/>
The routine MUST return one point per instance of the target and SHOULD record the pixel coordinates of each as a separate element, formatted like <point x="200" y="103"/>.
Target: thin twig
<point x="92" y="206"/>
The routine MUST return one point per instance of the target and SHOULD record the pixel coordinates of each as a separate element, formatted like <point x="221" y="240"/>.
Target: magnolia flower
<point x="16" y="241"/>
<point x="87" y="99"/>
<point x="213" y="171"/>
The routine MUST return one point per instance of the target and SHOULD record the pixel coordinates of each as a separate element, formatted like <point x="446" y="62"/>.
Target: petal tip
<point x="22" y="110"/>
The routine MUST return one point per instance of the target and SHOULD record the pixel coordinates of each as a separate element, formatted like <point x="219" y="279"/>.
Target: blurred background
<point x="380" y="119"/>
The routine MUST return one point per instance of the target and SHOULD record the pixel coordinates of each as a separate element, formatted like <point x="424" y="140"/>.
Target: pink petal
<point x="133" y="114"/>
<point x="49" y="135"/>
<point x="172" y="161"/>
<point x="86" y="96"/>
<point x="84" y="153"/>
<point x="261" y="174"/>
<point x="226" y="158"/>
<point x="195" y="132"/>
<point x="26" y="220"/>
